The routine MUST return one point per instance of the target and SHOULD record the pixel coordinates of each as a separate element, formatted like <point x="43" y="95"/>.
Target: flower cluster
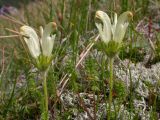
<point x="34" y="43"/>
<point x="40" y="48"/>
<point x="112" y="34"/>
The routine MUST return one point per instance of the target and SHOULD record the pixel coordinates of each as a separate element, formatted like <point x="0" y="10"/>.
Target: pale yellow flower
<point x="35" y="43"/>
<point x="112" y="31"/>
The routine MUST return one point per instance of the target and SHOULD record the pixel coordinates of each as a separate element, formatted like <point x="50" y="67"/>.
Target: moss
<point x="119" y="89"/>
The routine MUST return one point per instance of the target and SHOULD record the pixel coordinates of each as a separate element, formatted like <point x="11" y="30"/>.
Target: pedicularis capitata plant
<point x="112" y="35"/>
<point x="40" y="49"/>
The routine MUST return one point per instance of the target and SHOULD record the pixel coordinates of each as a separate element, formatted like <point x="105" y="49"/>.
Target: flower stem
<point x="45" y="94"/>
<point x="110" y="86"/>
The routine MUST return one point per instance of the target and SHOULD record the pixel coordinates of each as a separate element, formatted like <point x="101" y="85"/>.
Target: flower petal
<point x="41" y="34"/>
<point x="122" y="24"/>
<point x="104" y="28"/>
<point x="114" y="23"/>
<point x="31" y="40"/>
<point x="48" y="39"/>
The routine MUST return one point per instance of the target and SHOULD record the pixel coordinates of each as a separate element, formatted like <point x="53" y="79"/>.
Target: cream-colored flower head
<point x="114" y="31"/>
<point x="35" y="44"/>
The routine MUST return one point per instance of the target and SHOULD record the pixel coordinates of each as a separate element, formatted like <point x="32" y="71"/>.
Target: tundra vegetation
<point x="80" y="60"/>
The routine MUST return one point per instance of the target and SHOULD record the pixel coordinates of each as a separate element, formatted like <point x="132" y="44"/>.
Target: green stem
<point x="45" y="94"/>
<point x="110" y="86"/>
